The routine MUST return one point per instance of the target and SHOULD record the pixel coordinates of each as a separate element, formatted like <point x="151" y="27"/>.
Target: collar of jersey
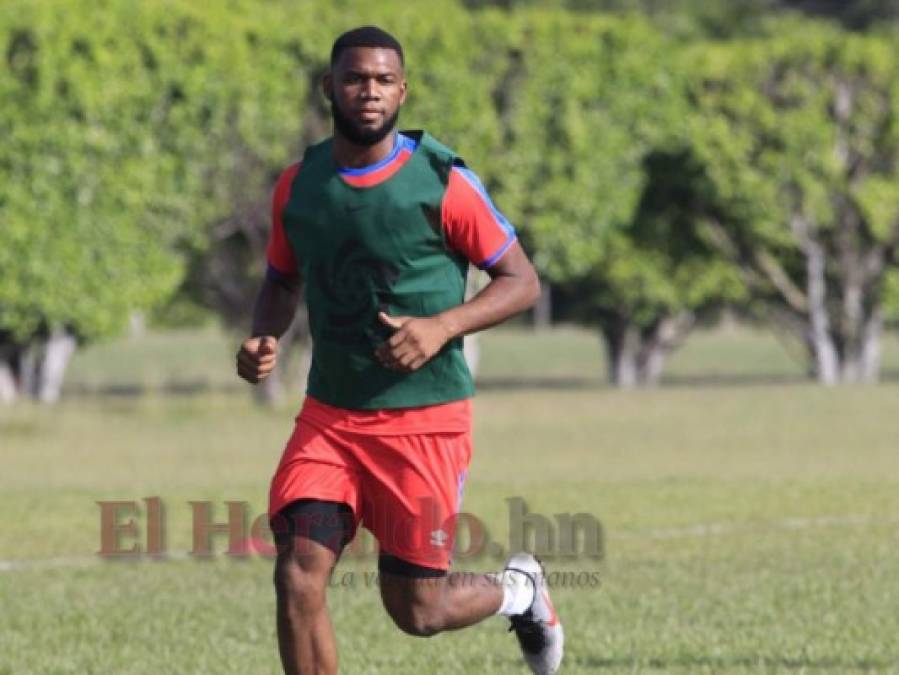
<point x="370" y="175"/>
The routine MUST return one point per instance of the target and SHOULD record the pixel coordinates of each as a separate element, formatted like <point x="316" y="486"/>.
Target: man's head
<point x="365" y="84"/>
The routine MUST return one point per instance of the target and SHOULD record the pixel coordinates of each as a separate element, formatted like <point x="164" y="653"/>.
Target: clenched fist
<point x="257" y="357"/>
<point x="414" y="343"/>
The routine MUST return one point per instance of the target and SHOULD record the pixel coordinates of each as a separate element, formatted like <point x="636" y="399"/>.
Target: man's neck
<point x="352" y="156"/>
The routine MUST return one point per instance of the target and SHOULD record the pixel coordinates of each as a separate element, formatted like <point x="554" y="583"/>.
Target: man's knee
<point x="413" y="596"/>
<point x="417" y="619"/>
<point x="298" y="586"/>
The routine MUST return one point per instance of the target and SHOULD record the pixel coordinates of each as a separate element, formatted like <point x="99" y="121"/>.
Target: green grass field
<point x="748" y="527"/>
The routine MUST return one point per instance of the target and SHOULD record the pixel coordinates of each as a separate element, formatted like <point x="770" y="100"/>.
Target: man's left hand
<point x="415" y="341"/>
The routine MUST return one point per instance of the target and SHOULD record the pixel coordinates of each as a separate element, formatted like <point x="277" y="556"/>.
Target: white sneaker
<point x="538" y="629"/>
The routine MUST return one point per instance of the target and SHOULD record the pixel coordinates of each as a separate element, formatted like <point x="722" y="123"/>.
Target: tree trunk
<point x="28" y="368"/>
<point x="471" y="349"/>
<point x="637" y="357"/>
<point x="851" y="333"/>
<point x="819" y="338"/>
<point x="471" y="346"/>
<point x="137" y="325"/>
<point x="658" y="343"/>
<point x="9" y="356"/>
<point x="8" y="392"/>
<point x="543" y="309"/>
<point x="651" y="364"/>
<point x="869" y="366"/>
<point x="37" y="368"/>
<point x="824" y="355"/>
<point x="622" y="342"/>
<point x="58" y="350"/>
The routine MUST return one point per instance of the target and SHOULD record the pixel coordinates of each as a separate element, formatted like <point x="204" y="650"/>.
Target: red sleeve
<point x="473" y="225"/>
<point x="280" y="255"/>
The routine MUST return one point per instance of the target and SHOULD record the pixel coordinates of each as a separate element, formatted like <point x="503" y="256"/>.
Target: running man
<point x="381" y="225"/>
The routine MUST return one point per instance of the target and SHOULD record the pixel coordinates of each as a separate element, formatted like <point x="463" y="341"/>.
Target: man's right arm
<point x="276" y="304"/>
<point x="275" y="308"/>
<point x="278" y="297"/>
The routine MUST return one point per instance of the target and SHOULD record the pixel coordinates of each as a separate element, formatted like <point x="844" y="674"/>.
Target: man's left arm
<point x="478" y="230"/>
<point x="513" y="288"/>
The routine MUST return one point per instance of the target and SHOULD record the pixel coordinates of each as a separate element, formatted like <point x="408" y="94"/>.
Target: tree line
<point x="656" y="176"/>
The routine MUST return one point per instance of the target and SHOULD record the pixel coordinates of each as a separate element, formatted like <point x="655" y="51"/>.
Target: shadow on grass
<point x="134" y="390"/>
<point x="490" y="383"/>
<point x="719" y="663"/>
<point x="698" y="380"/>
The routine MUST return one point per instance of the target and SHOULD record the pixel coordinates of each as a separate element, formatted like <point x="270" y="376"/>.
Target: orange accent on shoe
<point x="554" y="618"/>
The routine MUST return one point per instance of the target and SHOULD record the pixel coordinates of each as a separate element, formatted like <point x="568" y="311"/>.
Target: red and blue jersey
<point x="472" y="224"/>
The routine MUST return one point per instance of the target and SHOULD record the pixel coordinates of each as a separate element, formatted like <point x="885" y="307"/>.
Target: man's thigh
<point x="316" y="490"/>
<point x="412" y="491"/>
<point x="315" y="464"/>
<point x="303" y="522"/>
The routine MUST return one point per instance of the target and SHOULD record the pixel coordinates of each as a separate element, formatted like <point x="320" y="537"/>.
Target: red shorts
<point x="405" y="488"/>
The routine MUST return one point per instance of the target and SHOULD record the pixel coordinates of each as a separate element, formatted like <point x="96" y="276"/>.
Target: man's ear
<point x="403" y="87"/>
<point x="328" y="85"/>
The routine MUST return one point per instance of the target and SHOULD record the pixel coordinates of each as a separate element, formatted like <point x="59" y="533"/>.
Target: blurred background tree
<point x="720" y="18"/>
<point x="798" y="141"/>
<point x="594" y="99"/>
<point x="127" y="129"/>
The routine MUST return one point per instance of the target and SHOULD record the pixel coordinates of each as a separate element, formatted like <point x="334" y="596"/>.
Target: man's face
<point x="366" y="88"/>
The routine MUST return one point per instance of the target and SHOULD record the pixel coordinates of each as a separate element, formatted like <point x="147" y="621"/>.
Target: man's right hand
<point x="257" y="358"/>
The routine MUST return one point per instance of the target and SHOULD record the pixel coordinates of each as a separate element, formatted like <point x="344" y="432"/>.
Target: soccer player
<point x="381" y="225"/>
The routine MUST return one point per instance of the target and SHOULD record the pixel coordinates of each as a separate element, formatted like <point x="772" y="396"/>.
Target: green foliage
<point x="597" y="98"/>
<point x="119" y="122"/>
<point x="801" y="124"/>
<point x="692" y="19"/>
<point x="799" y="142"/>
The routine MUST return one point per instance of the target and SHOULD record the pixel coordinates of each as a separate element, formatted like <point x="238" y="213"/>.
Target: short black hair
<point x="366" y="36"/>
